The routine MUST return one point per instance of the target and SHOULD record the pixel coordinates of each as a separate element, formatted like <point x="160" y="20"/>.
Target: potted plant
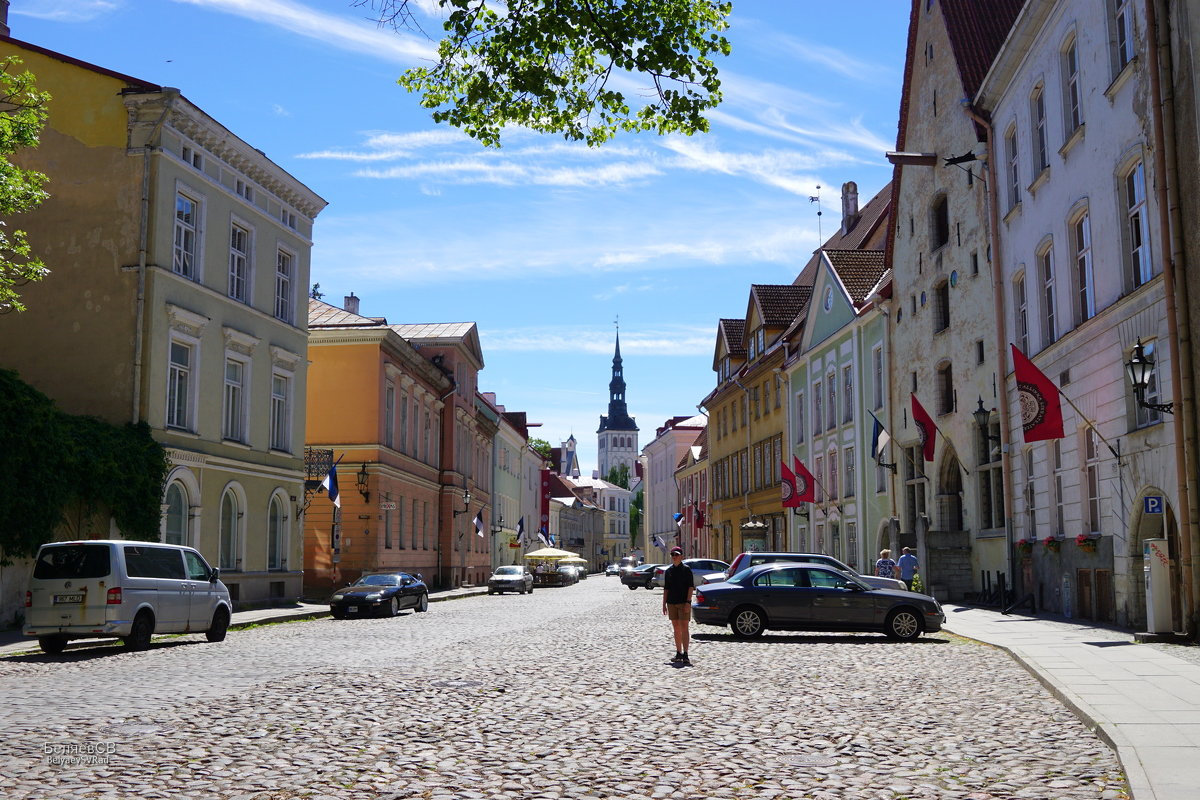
<point x="1052" y="544"/>
<point x="1024" y="546"/>
<point x="1086" y="542"/>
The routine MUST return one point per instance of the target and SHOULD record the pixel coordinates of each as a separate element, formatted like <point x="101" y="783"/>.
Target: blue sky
<point x="542" y="243"/>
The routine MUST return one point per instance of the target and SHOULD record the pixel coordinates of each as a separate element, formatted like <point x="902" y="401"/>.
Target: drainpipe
<point x="990" y="197"/>
<point x="1178" y="335"/>
<point x="147" y="149"/>
<point x="746" y="494"/>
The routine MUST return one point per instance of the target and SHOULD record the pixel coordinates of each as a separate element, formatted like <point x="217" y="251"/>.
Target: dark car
<point x="744" y="560"/>
<point x="701" y="568"/>
<point x="382" y="594"/>
<point x="639" y="576"/>
<point x="812" y="597"/>
<point x="569" y="574"/>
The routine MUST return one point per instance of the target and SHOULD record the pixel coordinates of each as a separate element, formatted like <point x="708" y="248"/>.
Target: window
<point x="404" y="424"/>
<point x="1092" y="479"/>
<point x="276" y="535"/>
<point x="833" y="474"/>
<point x="1021" y="310"/>
<point x="945" y="389"/>
<point x="1081" y="246"/>
<point x="239" y="261"/>
<point x="187" y="222"/>
<point x="176" y="518"/>
<point x="1122" y="33"/>
<point x="1148" y="416"/>
<point x="914" y="486"/>
<point x="1037" y="114"/>
<point x="991" y="483"/>
<point x="192" y="158"/>
<point x="387" y="526"/>
<point x="288" y="218"/>
<point x="941" y="311"/>
<point x="817" y="418"/>
<point x="1058" y="500"/>
<point x="940" y="219"/>
<point x="244" y="190"/>
<point x="389" y="414"/>
<point x="233" y="423"/>
<point x="412" y="526"/>
<point x="1137" y="230"/>
<point x="1030" y="494"/>
<point x="281" y="422"/>
<point x="1045" y="262"/>
<point x="230" y="517"/>
<point x="831" y="383"/>
<point x="1072" y="109"/>
<point x="877" y="374"/>
<point x="819" y="474"/>
<point x="847" y="394"/>
<point x="754" y="396"/>
<point x="800" y="417"/>
<point x="850" y="476"/>
<point x="284" y="272"/>
<point x="880" y="475"/>
<point x="179" y="386"/>
<point x="1013" y="171"/>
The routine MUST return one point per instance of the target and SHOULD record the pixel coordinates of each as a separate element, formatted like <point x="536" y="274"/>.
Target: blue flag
<point x="479" y="523"/>
<point x="330" y="484"/>
<point x="521" y="531"/>
<point x="879" y="438"/>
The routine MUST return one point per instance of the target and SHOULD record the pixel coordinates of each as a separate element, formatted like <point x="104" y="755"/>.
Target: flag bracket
<point x="886" y="465"/>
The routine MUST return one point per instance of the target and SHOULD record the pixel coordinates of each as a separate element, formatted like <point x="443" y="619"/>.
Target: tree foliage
<point x="619" y="475"/>
<point x="540" y="446"/>
<point x="549" y="65"/>
<point x="635" y="517"/>
<point x="65" y="470"/>
<point x="22" y="115"/>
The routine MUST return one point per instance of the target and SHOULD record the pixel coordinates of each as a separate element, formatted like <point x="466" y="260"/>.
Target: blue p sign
<point x="1152" y="504"/>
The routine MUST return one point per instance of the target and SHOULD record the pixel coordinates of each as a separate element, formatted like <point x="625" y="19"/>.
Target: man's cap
<point x="676" y="551"/>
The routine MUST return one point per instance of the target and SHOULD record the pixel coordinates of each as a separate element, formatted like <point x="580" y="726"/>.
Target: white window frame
<point x="389" y="415"/>
<point x="1013" y="167"/>
<point x="285" y="285"/>
<point x="847" y="394"/>
<point x="241" y="257"/>
<point x="1137" y="225"/>
<point x="1045" y="268"/>
<point x="1038" y="136"/>
<point x="1122" y="35"/>
<point x="187" y="256"/>
<point x="849" y="466"/>
<point x="877" y="372"/>
<point x="190" y="387"/>
<point x="1072" y="97"/>
<point x="277" y="539"/>
<point x="1084" y="275"/>
<point x="234" y="400"/>
<point x="1021" y="310"/>
<point x="281" y="411"/>
<point x="1091" y="479"/>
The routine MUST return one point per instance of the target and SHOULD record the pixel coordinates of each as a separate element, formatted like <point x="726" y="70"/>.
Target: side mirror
<point x="214" y="575"/>
<point x="406" y="582"/>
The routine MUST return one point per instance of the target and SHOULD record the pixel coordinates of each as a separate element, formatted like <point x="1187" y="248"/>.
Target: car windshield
<point x="508" y="571"/>
<point x="378" y="580"/>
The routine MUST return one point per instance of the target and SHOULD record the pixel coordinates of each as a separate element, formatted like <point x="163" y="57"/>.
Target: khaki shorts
<point x="679" y="611"/>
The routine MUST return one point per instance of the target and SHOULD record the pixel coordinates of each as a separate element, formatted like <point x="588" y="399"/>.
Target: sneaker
<point x="678" y="657"/>
<point x="687" y="662"/>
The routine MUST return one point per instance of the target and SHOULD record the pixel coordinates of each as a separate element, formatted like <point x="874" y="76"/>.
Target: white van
<point x="104" y="588"/>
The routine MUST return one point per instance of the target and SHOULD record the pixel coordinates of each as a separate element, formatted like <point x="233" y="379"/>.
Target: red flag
<point x="1041" y="408"/>
<point x="925" y="428"/>
<point x="788" y="487"/>
<point x="805" y="485"/>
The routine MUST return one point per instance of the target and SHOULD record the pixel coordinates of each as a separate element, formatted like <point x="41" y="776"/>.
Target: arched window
<point x="175" y="531"/>
<point x="229" y="531"/>
<point x="276" y="535"/>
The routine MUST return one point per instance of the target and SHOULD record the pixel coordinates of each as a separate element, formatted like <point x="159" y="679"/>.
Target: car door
<point x="784" y="595"/>
<point x="837" y="601"/>
<point x="159" y="571"/>
<point x="202" y="592"/>
<point x="409" y="591"/>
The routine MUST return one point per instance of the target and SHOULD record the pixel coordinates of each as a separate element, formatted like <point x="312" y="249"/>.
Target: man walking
<point x="677" y="603"/>
<point x="908" y="567"/>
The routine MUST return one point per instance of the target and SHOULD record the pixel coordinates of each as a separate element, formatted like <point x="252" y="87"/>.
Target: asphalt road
<point x="562" y="693"/>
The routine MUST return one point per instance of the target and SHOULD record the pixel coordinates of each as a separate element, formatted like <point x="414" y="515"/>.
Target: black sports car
<point x="381" y="594"/>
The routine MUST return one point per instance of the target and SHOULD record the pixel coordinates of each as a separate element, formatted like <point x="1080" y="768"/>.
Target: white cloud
<point x="480" y="170"/>
<point x="66" y="10"/>
<point x="675" y="340"/>
<point x="358" y="37"/>
<point x="280" y="111"/>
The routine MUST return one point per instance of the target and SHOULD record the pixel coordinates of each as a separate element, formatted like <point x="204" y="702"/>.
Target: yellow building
<point x="179" y="257"/>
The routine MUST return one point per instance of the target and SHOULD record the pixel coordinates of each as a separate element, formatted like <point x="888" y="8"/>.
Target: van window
<point x="72" y="562"/>
<point x="197" y="569"/>
<point x="154" y="562"/>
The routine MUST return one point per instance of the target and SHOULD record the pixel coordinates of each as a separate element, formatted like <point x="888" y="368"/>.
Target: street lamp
<point x="983" y="418"/>
<point x="754" y="524"/>
<point x="466" y="498"/>
<point x="498" y="525"/>
<point x="1140" y="369"/>
<point x="361" y="484"/>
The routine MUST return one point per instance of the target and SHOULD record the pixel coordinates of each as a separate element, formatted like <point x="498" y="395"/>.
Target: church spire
<point x="618" y="414"/>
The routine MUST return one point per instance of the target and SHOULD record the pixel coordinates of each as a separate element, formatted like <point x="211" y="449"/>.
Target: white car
<point x="514" y="578"/>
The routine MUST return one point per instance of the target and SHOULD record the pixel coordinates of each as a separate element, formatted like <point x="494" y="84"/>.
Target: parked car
<point x="639" y="576"/>
<point x="117" y="588"/>
<point x="812" y="597"/>
<point x="569" y="574"/>
<point x="744" y="560"/>
<point x="382" y="594"/>
<point x="701" y="568"/>
<point x="513" y="578"/>
<point x="612" y="569"/>
<point x="628" y="564"/>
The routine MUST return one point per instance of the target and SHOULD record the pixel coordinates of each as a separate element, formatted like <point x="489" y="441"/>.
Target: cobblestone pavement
<point x="561" y="694"/>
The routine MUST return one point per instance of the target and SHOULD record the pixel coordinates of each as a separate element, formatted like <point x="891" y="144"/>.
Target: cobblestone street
<point x="559" y="694"/>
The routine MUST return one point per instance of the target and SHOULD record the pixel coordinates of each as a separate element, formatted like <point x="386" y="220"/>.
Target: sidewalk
<point x="1141" y="699"/>
<point x="12" y="642"/>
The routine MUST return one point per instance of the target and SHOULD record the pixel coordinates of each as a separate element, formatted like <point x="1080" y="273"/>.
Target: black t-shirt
<point x="676" y="581"/>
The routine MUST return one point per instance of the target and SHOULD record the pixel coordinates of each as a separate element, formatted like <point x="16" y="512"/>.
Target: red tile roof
<point x="858" y="270"/>
<point x="977" y="29"/>
<point x="866" y="233"/>
<point x="780" y="304"/>
<point x="734" y="330"/>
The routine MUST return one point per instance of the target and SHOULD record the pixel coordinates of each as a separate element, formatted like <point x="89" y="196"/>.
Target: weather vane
<point x="817" y="199"/>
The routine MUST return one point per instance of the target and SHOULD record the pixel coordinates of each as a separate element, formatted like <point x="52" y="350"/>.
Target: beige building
<point x="179" y="257"/>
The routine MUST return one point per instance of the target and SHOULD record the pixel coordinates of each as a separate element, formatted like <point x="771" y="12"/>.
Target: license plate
<point x="68" y="598"/>
<point x="352" y="609"/>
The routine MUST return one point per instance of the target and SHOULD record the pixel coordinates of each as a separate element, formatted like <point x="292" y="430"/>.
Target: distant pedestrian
<point x="677" y="603"/>
<point x="885" y="567"/>
<point x="908" y="566"/>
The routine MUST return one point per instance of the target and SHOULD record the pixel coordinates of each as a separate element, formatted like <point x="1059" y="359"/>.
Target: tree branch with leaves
<point x="22" y="115"/>
<point x="549" y="65"/>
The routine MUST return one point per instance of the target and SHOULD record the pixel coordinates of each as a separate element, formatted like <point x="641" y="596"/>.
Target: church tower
<point x="618" y="433"/>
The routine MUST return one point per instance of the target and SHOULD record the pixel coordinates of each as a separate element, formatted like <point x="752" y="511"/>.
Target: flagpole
<point x="1091" y="425"/>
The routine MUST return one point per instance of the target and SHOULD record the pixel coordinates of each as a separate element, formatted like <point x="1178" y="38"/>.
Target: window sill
<point x="236" y="443"/>
<point x="1122" y="78"/>
<point x="1012" y="213"/>
<point x="1075" y="138"/>
<point x="276" y="451"/>
<point x="1039" y="181"/>
<point x="181" y="432"/>
<point x="990" y="533"/>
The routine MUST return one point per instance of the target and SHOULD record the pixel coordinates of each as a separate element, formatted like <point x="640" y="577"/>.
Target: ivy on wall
<point x="60" y="471"/>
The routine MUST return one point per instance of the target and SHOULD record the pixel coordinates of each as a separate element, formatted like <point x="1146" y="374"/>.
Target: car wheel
<point x="337" y="613"/>
<point x="650" y="583"/>
<point x="903" y="624"/>
<point x="140" y="632"/>
<point x="491" y="590"/>
<point x="52" y="645"/>
<point x="747" y="622"/>
<point x="393" y="607"/>
<point x="220" y="624"/>
<point x="631" y="586"/>
<point x="423" y="603"/>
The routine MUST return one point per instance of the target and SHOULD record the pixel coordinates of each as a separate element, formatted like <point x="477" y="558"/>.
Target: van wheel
<point x="220" y="624"/>
<point x="140" y="632"/>
<point x="52" y="645"/>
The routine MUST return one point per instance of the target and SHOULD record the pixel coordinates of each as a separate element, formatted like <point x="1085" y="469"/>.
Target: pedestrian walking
<point x="908" y="566"/>
<point x="885" y="567"/>
<point x="677" y="603"/>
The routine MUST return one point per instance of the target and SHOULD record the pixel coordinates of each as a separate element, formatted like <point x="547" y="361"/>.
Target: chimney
<point x="4" y="29"/>
<point x="850" y="215"/>
<point x="350" y="303"/>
